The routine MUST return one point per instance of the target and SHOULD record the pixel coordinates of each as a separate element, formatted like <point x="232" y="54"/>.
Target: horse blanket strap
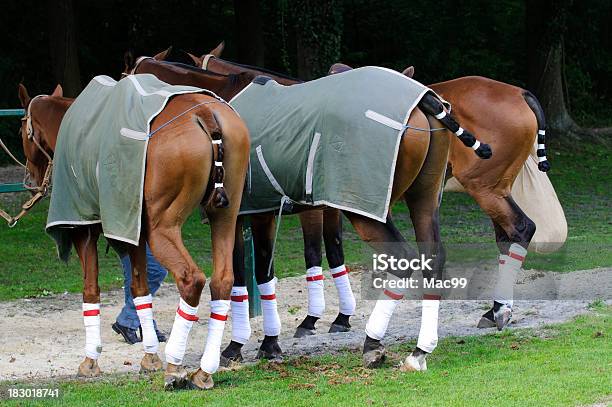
<point x="333" y="141"/>
<point x="100" y="156"/>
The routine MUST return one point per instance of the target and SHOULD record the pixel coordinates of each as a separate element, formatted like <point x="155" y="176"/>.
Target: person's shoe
<point x="161" y="336"/>
<point x="128" y="334"/>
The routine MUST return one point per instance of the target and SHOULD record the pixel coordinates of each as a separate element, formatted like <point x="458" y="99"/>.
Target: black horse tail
<point x="433" y="106"/>
<point x="536" y="108"/>
<point x="219" y="197"/>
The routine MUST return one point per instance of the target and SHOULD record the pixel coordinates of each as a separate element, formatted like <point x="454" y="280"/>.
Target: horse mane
<point x="263" y="70"/>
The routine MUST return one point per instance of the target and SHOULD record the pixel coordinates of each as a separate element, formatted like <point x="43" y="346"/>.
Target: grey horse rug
<point x="332" y="141"/>
<point x="100" y="155"/>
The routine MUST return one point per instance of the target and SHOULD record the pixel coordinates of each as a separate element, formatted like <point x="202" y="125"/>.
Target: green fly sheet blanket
<point x="332" y="141"/>
<point x="100" y="155"/>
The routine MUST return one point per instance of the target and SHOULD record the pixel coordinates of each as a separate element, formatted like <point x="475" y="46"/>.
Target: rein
<point x="43" y="189"/>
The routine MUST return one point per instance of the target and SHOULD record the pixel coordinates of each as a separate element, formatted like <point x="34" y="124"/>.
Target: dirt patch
<point x="45" y="337"/>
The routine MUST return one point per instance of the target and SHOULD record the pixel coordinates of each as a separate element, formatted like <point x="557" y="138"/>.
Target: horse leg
<point x="85" y="240"/>
<point x="513" y="232"/>
<point x="143" y="301"/>
<point x="423" y="200"/>
<point x="378" y="235"/>
<point x="241" y="325"/>
<point x="312" y="229"/>
<point x="223" y="230"/>
<point x="167" y="246"/>
<point x="263" y="228"/>
<point x="332" y="236"/>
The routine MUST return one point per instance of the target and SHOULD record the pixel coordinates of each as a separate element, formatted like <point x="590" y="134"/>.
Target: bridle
<point x="39" y="191"/>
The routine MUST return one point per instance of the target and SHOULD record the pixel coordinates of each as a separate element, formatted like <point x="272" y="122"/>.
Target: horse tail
<point x="211" y="126"/>
<point x="433" y="106"/>
<point x="536" y="108"/>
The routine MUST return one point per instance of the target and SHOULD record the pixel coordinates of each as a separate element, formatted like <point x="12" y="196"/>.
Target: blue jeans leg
<point x="156" y="274"/>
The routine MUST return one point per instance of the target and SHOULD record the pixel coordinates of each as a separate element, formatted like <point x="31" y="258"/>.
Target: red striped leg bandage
<point x="241" y="325"/>
<point x="93" y="340"/>
<point x="144" y="309"/>
<point x="316" y="291"/>
<point x="185" y="316"/>
<point x="346" y="298"/>
<point x="383" y="310"/>
<point x="509" y="267"/>
<point x="271" y="320"/>
<point x="428" y="335"/>
<point x="216" y="324"/>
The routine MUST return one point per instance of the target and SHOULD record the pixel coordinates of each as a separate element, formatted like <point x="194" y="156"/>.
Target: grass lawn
<point x="559" y="365"/>
<point x="582" y="176"/>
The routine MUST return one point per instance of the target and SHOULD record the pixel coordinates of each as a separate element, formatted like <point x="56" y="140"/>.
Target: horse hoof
<point x="150" y="363"/>
<point x="374" y="358"/>
<point x="270" y="349"/>
<point x="175" y="377"/>
<point x="301" y="332"/>
<point x="414" y="364"/>
<point x="200" y="380"/>
<point x="503" y="317"/>
<point x="89" y="368"/>
<point x="231" y="362"/>
<point x="486" y="321"/>
<point x="334" y="328"/>
<point x="275" y="357"/>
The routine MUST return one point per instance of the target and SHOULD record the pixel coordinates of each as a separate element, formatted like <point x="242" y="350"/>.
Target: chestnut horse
<point x="179" y="176"/>
<point x="507" y="117"/>
<point x="418" y="178"/>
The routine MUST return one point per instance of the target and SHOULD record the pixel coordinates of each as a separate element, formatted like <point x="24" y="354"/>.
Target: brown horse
<point x="509" y="118"/>
<point x="418" y="177"/>
<point x="179" y="177"/>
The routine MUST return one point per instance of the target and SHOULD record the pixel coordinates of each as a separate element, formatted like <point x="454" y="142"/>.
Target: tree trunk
<point x="249" y="33"/>
<point x="546" y="27"/>
<point x="318" y="34"/>
<point x="63" y="44"/>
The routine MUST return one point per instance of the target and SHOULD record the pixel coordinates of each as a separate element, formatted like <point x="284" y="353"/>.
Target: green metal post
<point x="249" y="265"/>
<point x="17" y="186"/>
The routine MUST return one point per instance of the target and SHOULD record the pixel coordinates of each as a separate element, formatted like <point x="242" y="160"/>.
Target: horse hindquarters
<point x="500" y="114"/>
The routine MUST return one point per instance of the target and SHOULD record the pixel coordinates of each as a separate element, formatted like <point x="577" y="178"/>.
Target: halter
<point x="133" y="70"/>
<point x="40" y="191"/>
<point x="206" y="59"/>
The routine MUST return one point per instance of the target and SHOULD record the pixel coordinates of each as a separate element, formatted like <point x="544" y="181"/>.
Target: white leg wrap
<point x="428" y="335"/>
<point x="509" y="267"/>
<point x="216" y="324"/>
<point x="91" y="320"/>
<point x="241" y="325"/>
<point x="343" y="286"/>
<point x="144" y="309"/>
<point x="316" y="295"/>
<point x="383" y="310"/>
<point x="177" y="343"/>
<point x="271" y="320"/>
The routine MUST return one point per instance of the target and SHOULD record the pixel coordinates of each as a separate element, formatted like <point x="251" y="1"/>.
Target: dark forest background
<point x="559" y="49"/>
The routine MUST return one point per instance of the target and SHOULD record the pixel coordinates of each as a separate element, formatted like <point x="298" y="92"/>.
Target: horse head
<point x="38" y="131"/>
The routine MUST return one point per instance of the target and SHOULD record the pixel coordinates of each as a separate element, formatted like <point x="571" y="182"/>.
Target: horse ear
<point x="24" y="98"/>
<point x="162" y="55"/>
<point x="217" y="51"/>
<point x="59" y="92"/>
<point x="128" y="59"/>
<point x="196" y="61"/>
<point x="409" y="72"/>
<point x="338" y="68"/>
